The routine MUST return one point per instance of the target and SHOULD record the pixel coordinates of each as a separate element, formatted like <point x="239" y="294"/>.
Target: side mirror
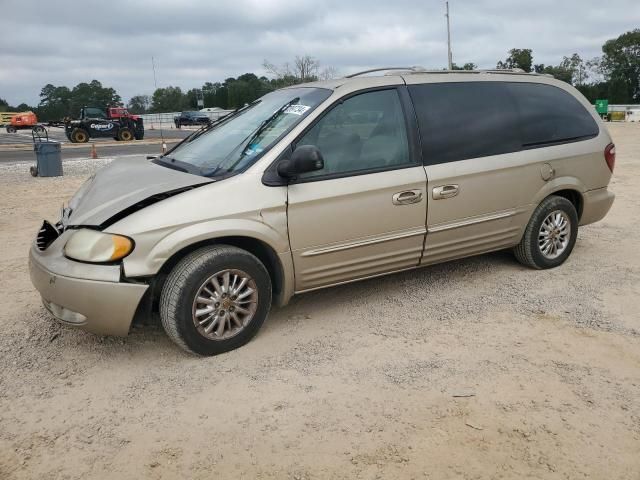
<point x="305" y="158"/>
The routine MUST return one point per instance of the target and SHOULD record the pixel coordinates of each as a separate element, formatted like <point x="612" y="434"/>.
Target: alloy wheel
<point x="554" y="234"/>
<point x="225" y="304"/>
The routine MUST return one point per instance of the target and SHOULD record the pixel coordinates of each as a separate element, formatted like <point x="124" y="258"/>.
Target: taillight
<point x="610" y="156"/>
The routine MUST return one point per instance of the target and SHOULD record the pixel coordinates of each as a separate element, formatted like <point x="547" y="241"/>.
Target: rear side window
<point x="465" y="120"/>
<point x="550" y="115"/>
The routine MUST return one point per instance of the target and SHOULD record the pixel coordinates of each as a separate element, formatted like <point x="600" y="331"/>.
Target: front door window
<point x="364" y="132"/>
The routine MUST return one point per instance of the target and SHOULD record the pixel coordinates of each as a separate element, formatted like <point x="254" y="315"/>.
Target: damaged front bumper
<point x="87" y="296"/>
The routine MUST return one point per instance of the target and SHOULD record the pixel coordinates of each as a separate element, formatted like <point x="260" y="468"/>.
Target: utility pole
<point x="449" y="39"/>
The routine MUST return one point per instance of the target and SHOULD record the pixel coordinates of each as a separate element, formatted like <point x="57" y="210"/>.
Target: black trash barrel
<point x="48" y="158"/>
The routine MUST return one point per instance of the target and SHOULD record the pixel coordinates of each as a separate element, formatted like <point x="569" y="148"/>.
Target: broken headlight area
<point x="46" y="235"/>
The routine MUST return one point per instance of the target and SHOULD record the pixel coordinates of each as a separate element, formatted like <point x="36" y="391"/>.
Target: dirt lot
<point x="475" y="369"/>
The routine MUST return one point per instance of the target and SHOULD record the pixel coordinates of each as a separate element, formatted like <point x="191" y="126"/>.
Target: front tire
<point x="215" y="300"/>
<point x="79" y="135"/>
<point x="125" y="134"/>
<point x="550" y="234"/>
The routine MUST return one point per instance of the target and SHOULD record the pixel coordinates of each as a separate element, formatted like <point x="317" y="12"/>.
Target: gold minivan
<point x="321" y="184"/>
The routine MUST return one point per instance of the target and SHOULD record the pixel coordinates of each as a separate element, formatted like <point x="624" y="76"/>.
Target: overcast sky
<point x="67" y="42"/>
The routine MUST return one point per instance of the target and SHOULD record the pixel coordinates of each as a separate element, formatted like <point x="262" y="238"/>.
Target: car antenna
<point x="155" y="83"/>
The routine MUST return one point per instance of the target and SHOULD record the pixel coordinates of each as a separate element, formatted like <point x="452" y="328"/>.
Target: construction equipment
<point x="24" y="121"/>
<point x="115" y="122"/>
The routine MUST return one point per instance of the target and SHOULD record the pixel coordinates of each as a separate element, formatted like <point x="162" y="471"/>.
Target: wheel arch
<point x="567" y="187"/>
<point x="262" y="250"/>
<point x="574" y="196"/>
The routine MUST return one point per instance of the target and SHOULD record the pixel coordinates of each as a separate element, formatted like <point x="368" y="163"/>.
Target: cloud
<point x="67" y="42"/>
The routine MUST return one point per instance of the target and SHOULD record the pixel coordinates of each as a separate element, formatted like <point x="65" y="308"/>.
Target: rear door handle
<point x="407" y="197"/>
<point x="445" y="191"/>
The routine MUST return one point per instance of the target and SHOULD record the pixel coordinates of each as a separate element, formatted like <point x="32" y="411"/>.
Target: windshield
<point x="238" y="141"/>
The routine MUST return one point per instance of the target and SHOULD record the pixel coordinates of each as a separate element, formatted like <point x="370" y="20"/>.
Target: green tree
<point x="518" y="58"/>
<point x="560" y="72"/>
<point x="168" y="99"/>
<point x="24" y="107"/>
<point x="55" y="103"/>
<point x="92" y="94"/>
<point x="620" y="65"/>
<point x="139" y="104"/>
<point x="59" y="102"/>
<point x="577" y="67"/>
<point x="191" y="99"/>
<point x="466" y="66"/>
<point x="594" y="91"/>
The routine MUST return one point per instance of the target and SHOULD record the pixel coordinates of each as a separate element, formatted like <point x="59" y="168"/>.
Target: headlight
<point x="97" y="247"/>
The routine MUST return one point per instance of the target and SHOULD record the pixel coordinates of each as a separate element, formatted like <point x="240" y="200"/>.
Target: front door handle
<point x="445" y="191"/>
<point x="407" y="197"/>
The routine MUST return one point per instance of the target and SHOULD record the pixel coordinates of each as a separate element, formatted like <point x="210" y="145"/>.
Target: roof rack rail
<point x="411" y="69"/>
<point x="416" y="69"/>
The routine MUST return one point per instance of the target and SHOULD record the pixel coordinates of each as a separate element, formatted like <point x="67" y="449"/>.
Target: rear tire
<point x="11" y="129"/>
<point x="550" y="234"/>
<point x="232" y="315"/>
<point x="125" y="134"/>
<point x="79" y="135"/>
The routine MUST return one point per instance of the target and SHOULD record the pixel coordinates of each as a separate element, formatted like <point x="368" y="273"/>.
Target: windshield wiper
<point x="174" y="164"/>
<point x="190" y="138"/>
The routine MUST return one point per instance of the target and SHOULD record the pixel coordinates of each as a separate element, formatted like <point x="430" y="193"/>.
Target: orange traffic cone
<point x="94" y="153"/>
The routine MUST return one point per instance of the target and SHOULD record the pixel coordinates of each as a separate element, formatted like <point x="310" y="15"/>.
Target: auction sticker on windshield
<point x="296" y="109"/>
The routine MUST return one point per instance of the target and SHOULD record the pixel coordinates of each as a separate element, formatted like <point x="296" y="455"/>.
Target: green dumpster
<point x="602" y="106"/>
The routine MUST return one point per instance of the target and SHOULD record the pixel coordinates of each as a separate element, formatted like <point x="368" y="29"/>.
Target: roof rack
<point x="416" y="69"/>
<point x="410" y="69"/>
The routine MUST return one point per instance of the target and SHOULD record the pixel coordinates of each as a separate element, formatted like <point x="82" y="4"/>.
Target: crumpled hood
<point x="124" y="183"/>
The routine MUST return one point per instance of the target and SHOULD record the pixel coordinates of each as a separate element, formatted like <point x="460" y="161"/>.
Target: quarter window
<point x="364" y="132"/>
<point x="465" y="120"/>
<point x="550" y="115"/>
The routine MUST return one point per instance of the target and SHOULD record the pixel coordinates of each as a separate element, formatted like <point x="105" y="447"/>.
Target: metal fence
<point x="623" y="108"/>
<point x="165" y="120"/>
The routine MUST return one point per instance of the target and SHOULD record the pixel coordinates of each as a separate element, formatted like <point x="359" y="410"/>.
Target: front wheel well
<point x="260" y="249"/>
<point x="574" y="197"/>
